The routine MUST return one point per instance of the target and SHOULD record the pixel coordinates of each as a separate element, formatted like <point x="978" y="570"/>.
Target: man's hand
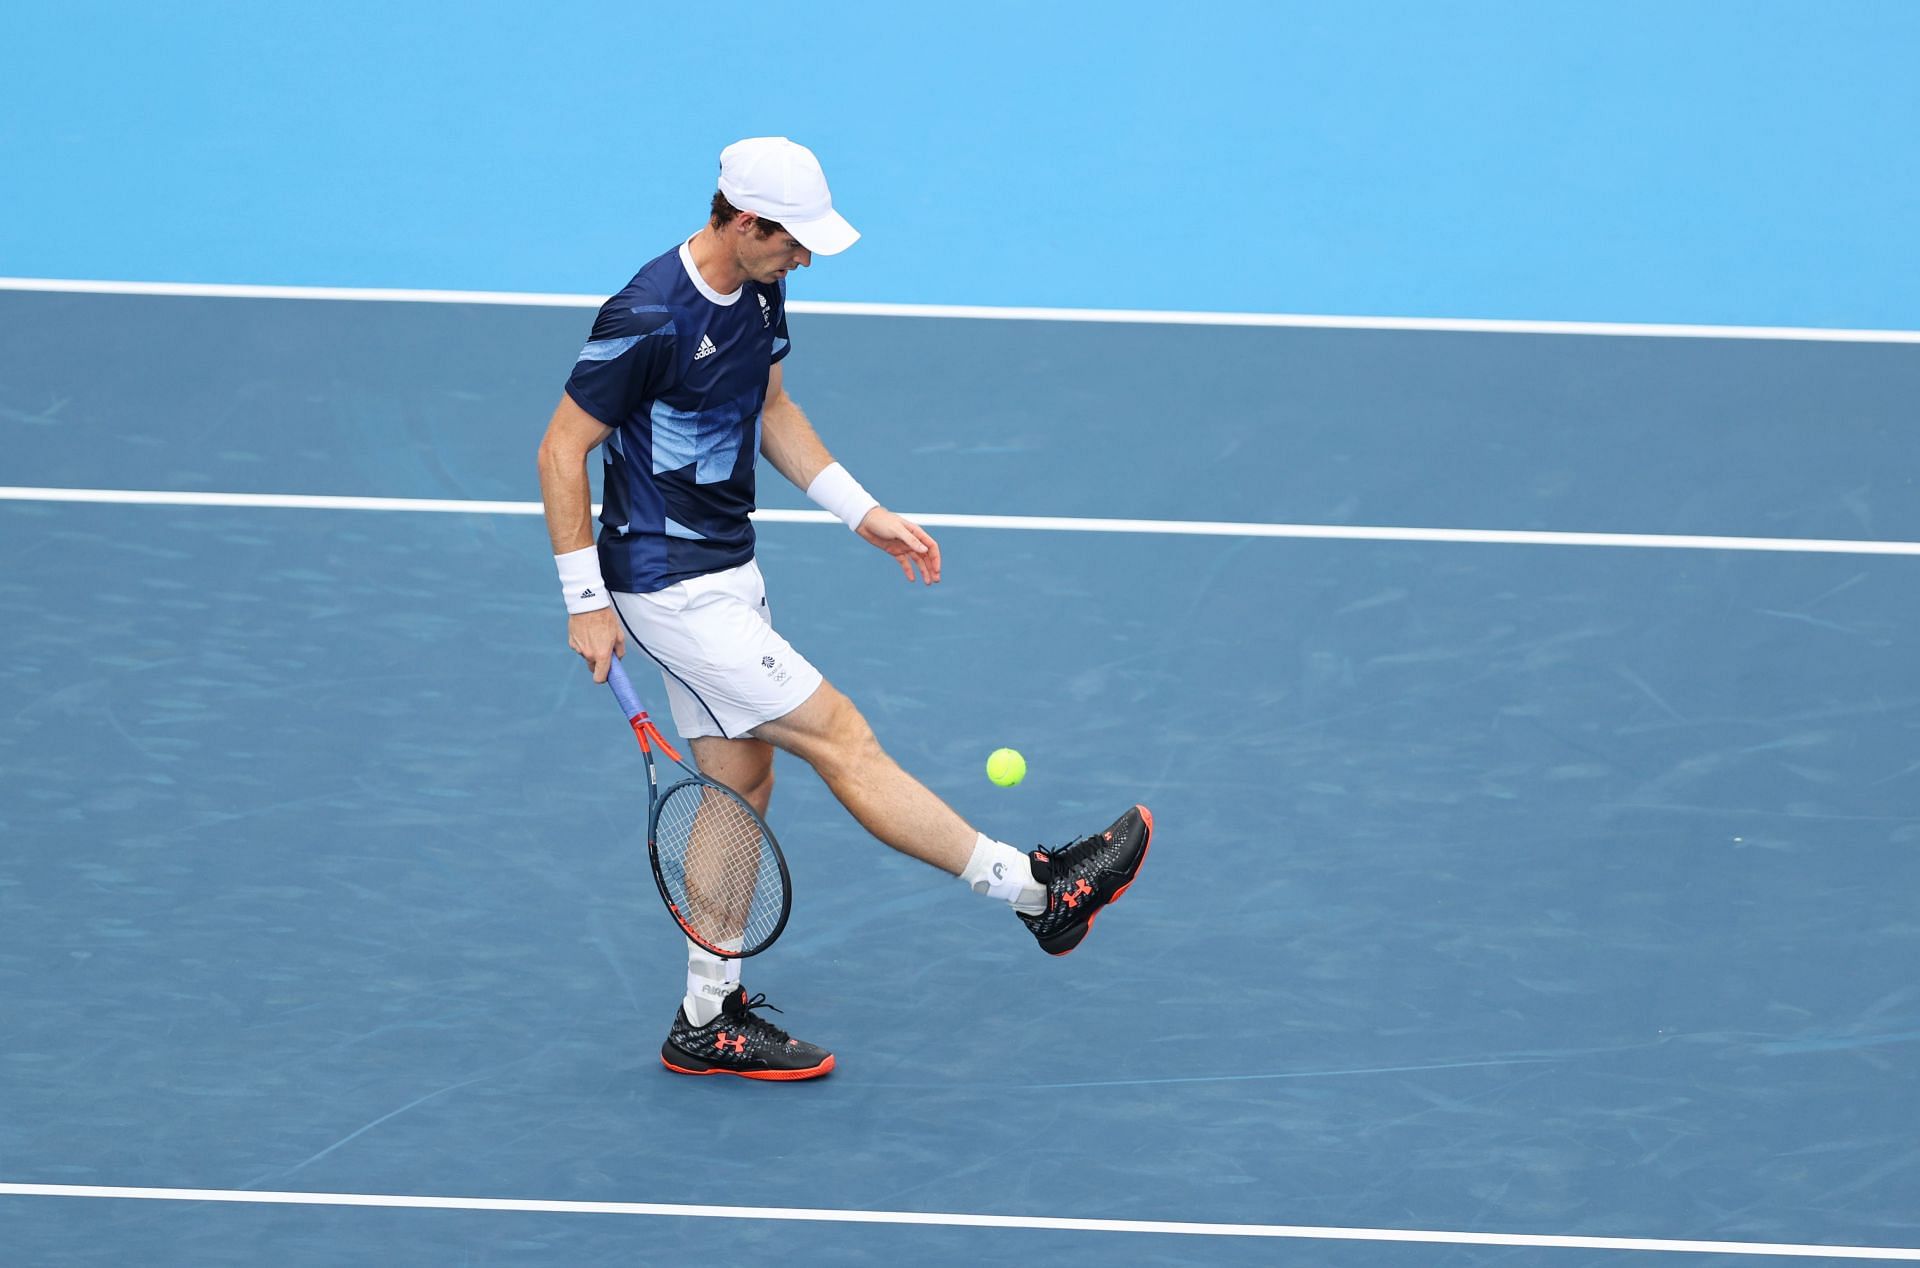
<point x="905" y="540"/>
<point x="598" y="637"/>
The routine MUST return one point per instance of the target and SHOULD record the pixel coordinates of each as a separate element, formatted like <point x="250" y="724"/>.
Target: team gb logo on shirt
<point x="766" y="314"/>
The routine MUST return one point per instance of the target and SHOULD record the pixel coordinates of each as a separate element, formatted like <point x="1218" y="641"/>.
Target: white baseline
<point x="1039" y="523"/>
<point x="1432" y="1237"/>
<point x="540" y="299"/>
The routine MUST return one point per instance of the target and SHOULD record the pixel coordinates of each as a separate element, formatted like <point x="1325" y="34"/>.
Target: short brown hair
<point x="724" y="211"/>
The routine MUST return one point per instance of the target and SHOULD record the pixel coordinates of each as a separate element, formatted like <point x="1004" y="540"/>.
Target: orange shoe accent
<point x="776" y="1076"/>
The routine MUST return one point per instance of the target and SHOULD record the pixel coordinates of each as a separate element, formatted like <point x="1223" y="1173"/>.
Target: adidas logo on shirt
<point x="706" y="348"/>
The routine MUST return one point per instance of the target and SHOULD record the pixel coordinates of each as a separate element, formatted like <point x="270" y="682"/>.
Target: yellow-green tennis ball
<point x="1006" y="767"/>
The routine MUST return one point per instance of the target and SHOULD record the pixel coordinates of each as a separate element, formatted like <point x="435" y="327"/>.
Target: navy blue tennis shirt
<point x="680" y="373"/>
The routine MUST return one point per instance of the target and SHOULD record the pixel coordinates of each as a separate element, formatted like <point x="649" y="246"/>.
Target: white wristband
<point x="580" y="580"/>
<point x="840" y="493"/>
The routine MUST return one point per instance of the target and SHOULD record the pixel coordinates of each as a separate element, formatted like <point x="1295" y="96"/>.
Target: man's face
<point x="771" y="258"/>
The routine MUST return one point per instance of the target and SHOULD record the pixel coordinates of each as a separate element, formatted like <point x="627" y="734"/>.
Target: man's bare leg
<point x="829" y="734"/>
<point x="1057" y="893"/>
<point x="746" y="766"/>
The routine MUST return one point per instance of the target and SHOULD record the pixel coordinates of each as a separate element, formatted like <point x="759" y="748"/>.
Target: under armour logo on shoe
<point x="739" y="1043"/>
<point x="706" y="349"/>
<point x="1080" y="890"/>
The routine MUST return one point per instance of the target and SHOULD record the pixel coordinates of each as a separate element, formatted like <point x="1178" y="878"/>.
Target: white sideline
<point x="541" y="299"/>
<point x="1041" y="523"/>
<point x="951" y="1219"/>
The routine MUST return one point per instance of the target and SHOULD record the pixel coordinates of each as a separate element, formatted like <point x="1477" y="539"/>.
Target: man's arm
<point x="788" y="441"/>
<point x="787" y="438"/>
<point x="567" y="494"/>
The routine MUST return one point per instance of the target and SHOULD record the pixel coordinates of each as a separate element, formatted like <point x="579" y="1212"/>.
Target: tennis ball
<point x="1006" y="767"/>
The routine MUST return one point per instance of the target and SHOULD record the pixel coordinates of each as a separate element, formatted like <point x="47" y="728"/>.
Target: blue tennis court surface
<point x="1550" y="891"/>
<point x="1521" y="900"/>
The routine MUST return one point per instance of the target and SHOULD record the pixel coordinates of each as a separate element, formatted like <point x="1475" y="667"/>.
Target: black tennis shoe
<point x="738" y="1042"/>
<point x="1084" y="877"/>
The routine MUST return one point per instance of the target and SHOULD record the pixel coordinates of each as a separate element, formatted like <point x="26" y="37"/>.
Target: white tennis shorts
<point x="725" y="667"/>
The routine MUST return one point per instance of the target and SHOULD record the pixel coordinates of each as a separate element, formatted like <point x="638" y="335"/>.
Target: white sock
<point x="710" y="979"/>
<point x="1000" y="871"/>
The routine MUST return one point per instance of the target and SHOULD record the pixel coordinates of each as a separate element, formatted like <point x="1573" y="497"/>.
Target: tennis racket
<point x="718" y="867"/>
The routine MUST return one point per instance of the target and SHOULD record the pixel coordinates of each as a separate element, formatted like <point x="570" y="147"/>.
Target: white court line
<point x="1432" y="1237"/>
<point x="365" y="294"/>
<point x="1041" y="523"/>
<point x="538" y="299"/>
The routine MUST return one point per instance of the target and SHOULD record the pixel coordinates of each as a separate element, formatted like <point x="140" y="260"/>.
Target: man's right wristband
<point x="580" y="580"/>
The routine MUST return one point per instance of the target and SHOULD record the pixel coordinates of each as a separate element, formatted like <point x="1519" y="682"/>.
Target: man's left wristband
<point x="580" y="580"/>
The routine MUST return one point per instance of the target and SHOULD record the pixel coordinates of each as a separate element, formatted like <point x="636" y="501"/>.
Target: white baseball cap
<point x="781" y="180"/>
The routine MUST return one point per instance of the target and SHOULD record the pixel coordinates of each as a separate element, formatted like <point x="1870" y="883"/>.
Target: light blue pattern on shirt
<point x="709" y="440"/>
<point x="675" y="528"/>
<point x="607" y="349"/>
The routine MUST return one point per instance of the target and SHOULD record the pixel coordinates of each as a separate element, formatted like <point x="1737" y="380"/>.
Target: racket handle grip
<point x="623" y="690"/>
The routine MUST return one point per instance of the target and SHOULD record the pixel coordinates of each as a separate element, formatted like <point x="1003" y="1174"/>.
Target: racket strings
<point x="719" y="870"/>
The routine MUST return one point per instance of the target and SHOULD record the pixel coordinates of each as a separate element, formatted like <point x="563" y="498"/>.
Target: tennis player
<point x="680" y="383"/>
